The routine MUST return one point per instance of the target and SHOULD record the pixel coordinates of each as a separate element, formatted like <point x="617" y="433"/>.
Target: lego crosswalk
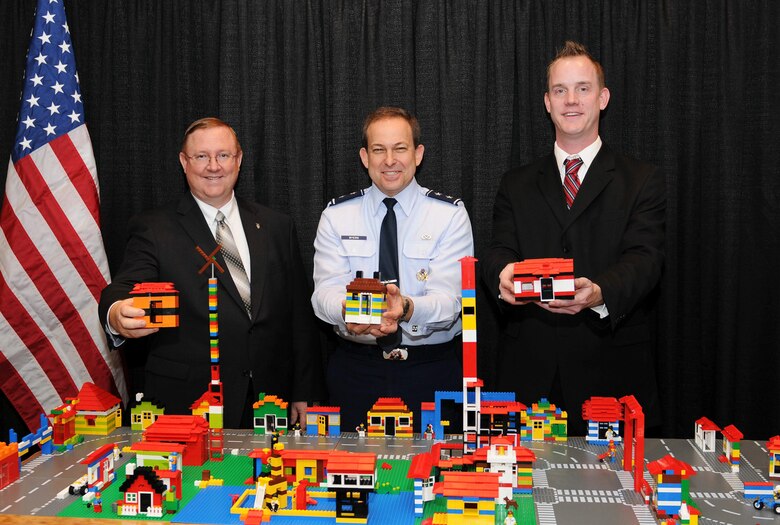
<point x="394" y="456"/>
<point x="644" y="515"/>
<point x="733" y="480"/>
<point x="589" y="496"/>
<point x="626" y="479"/>
<point x="579" y="466"/>
<point x="545" y="514"/>
<point x="540" y="479"/>
<point x="712" y="495"/>
<point x="30" y="465"/>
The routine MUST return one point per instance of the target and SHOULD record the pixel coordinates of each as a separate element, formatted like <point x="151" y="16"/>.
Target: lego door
<point x="322" y="425"/>
<point x="270" y="423"/>
<point x="390" y="426"/>
<point x="538" y="431"/>
<point x="144" y="502"/>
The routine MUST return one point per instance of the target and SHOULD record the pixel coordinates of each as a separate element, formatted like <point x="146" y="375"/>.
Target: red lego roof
<point x="208" y="397"/>
<point x="501" y="407"/>
<point x="99" y="454"/>
<point x="524" y="455"/>
<point x="468" y="484"/>
<point x="773" y="444"/>
<point x="317" y="410"/>
<point x="731" y="433"/>
<point x="351" y="462"/>
<point x="602" y="409"/>
<point x="157" y="446"/>
<point x="706" y="424"/>
<point x="421" y="466"/>
<point x="92" y="397"/>
<point x="390" y="404"/>
<point x="176" y="428"/>
<point x="669" y="462"/>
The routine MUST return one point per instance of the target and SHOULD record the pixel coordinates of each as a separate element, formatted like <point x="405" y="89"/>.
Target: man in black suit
<point x="607" y="214"/>
<point x="268" y="340"/>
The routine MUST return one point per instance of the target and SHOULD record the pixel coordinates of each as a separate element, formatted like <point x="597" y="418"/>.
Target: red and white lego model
<point x="544" y="279"/>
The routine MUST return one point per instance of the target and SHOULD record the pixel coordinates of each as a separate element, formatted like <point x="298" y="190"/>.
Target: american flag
<point x="52" y="261"/>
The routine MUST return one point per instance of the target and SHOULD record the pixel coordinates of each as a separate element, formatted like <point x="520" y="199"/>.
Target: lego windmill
<point x="212" y="401"/>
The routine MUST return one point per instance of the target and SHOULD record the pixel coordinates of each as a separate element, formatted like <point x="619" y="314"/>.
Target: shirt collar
<point x="587" y="155"/>
<point x="210" y="212"/>
<point x="406" y="198"/>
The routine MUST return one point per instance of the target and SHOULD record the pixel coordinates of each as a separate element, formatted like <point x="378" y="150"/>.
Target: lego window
<point x="350" y="479"/>
<point x="136" y="418"/>
<point x="366" y="481"/>
<point x="403" y="422"/>
<point x="281" y="422"/>
<point x="468" y="310"/>
<point x="376" y="421"/>
<point x="259" y="422"/>
<point x="337" y="479"/>
<point x="365" y="303"/>
<point x="527" y="287"/>
<point x="131" y="497"/>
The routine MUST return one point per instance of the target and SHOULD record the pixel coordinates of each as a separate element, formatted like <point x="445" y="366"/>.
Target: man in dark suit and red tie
<point x="606" y="211"/>
<point x="268" y="339"/>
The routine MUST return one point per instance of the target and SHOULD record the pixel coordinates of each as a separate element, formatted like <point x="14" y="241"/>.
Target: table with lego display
<point x="482" y="458"/>
<point x="569" y="482"/>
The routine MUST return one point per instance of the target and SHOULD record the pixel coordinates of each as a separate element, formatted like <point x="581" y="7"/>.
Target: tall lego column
<point x="216" y="407"/>
<point x="471" y="384"/>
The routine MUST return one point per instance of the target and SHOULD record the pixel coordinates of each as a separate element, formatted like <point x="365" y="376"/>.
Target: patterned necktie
<point x="233" y="260"/>
<point x="388" y="244"/>
<point x="571" y="183"/>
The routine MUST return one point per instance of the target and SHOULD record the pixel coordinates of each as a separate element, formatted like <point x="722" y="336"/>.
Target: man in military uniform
<point x="415" y="235"/>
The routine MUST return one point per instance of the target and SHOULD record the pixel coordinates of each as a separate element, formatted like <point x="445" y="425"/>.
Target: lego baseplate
<point x="570" y="484"/>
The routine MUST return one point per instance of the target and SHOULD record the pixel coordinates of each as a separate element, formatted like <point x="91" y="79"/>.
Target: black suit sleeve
<point x="504" y="247"/>
<point x="637" y="270"/>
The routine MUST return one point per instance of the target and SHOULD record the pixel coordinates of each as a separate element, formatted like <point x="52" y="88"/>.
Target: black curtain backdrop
<point x="694" y="90"/>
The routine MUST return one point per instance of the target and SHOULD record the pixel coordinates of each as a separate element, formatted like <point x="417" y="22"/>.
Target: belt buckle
<point x="398" y="354"/>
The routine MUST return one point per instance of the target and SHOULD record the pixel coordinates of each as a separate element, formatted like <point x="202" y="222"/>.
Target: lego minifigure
<point x="97" y="503"/>
<point x="510" y="518"/>
<point x="361" y="430"/>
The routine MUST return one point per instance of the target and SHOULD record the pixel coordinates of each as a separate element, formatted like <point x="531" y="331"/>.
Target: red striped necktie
<point x="571" y="183"/>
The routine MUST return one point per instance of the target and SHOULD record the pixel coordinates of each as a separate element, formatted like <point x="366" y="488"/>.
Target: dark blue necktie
<point x="388" y="244"/>
<point x="388" y="264"/>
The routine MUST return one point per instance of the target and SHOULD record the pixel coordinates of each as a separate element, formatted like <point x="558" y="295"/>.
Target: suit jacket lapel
<point x="192" y="221"/>
<point x="257" y="238"/>
<point x="599" y="175"/>
<point x="552" y="190"/>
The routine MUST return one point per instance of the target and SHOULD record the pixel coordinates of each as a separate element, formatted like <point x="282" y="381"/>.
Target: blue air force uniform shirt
<point x="434" y="233"/>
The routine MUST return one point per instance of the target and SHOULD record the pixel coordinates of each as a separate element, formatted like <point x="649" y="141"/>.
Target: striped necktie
<point x="571" y="183"/>
<point x="233" y="260"/>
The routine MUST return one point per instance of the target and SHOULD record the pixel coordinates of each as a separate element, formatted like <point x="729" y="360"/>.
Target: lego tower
<point x="471" y="384"/>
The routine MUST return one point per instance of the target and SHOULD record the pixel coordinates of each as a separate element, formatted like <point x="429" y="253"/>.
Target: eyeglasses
<point x="222" y="159"/>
